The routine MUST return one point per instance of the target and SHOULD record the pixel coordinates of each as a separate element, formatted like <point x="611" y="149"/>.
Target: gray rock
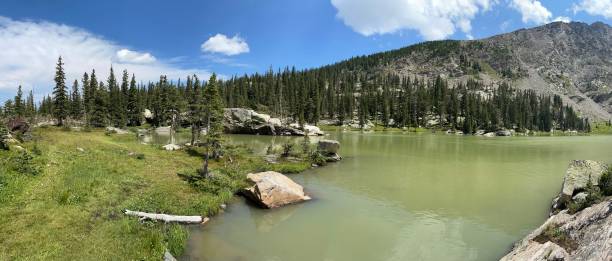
<point x="246" y="121"/>
<point x="590" y="230"/>
<point x="580" y="196"/>
<point x="577" y="176"/>
<point x="147" y="114"/>
<point x="117" y="130"/>
<point x="272" y="189"/>
<point x="489" y="134"/>
<point x="503" y="133"/>
<point x="327" y="147"/>
<point x="171" y="147"/>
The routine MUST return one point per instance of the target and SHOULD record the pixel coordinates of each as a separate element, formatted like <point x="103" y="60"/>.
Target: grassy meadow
<point x="63" y="198"/>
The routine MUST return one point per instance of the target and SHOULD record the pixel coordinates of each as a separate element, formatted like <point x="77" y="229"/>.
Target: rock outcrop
<point x="245" y="121"/>
<point x="576" y="178"/>
<point x="272" y="189"/>
<point x="586" y="235"/>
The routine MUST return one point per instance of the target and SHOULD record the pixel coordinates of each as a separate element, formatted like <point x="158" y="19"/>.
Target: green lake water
<point x="403" y="197"/>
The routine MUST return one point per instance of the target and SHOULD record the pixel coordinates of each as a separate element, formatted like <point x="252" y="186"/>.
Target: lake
<point x="401" y="196"/>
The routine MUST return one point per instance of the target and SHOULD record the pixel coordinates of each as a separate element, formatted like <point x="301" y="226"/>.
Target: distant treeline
<point x="332" y="93"/>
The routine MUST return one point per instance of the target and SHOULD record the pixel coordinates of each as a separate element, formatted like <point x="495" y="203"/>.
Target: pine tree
<point x="213" y="117"/>
<point x="133" y="108"/>
<point x="30" y="107"/>
<point x="76" y="104"/>
<point x="60" y="97"/>
<point x="114" y="104"/>
<point x="99" y="114"/>
<point x="87" y="96"/>
<point x="19" y="103"/>
<point x="123" y="99"/>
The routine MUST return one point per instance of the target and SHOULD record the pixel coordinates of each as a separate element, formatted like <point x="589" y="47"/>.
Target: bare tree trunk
<point x="193" y="134"/>
<point x="167" y="218"/>
<point x="204" y="172"/>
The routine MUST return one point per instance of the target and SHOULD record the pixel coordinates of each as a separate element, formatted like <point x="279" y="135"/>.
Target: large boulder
<point x="586" y="235"/>
<point x="246" y="121"/>
<point x="272" y="189"/>
<point x="313" y="130"/>
<point x="18" y="125"/>
<point x="576" y="178"/>
<point x="147" y="114"/>
<point x="328" y="146"/>
<point x="329" y="150"/>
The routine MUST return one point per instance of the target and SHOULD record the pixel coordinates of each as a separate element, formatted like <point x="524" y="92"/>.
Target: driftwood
<point x="167" y="218"/>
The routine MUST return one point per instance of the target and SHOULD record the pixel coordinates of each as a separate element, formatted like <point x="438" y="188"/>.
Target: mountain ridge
<point x="573" y="60"/>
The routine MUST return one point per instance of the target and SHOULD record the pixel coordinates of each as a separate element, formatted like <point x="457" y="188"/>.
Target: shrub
<point x="3" y="138"/>
<point x="593" y="197"/>
<point x="306" y="145"/>
<point x="605" y="183"/>
<point x="555" y="234"/>
<point x="287" y="149"/>
<point x="317" y="158"/>
<point x="23" y="163"/>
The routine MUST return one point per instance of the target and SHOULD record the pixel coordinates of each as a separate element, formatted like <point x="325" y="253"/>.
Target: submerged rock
<point x="272" y="189"/>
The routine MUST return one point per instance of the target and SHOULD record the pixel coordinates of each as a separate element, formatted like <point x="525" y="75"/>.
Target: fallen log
<point x="167" y="218"/>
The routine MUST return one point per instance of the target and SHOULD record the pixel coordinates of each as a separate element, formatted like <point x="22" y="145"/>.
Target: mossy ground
<point x="72" y="209"/>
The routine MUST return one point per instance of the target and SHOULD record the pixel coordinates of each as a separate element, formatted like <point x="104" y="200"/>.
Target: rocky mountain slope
<point x="573" y="60"/>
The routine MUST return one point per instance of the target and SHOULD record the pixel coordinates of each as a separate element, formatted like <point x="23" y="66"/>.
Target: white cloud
<point x="127" y="56"/>
<point x="532" y="11"/>
<point x="504" y="25"/>
<point x="224" y="45"/>
<point x="433" y="19"/>
<point x="564" y="19"/>
<point x="29" y="51"/>
<point x="595" y="7"/>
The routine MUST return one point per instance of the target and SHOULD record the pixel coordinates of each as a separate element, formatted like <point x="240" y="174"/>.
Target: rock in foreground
<point x="272" y="189"/>
<point x="586" y="235"/>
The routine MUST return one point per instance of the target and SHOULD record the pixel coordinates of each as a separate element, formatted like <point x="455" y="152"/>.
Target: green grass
<point x="601" y="128"/>
<point x="72" y="209"/>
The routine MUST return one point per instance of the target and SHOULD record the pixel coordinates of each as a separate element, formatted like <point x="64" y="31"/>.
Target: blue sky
<point x="232" y="37"/>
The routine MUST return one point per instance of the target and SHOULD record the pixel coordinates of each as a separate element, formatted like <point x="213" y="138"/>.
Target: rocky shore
<point x="580" y="223"/>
